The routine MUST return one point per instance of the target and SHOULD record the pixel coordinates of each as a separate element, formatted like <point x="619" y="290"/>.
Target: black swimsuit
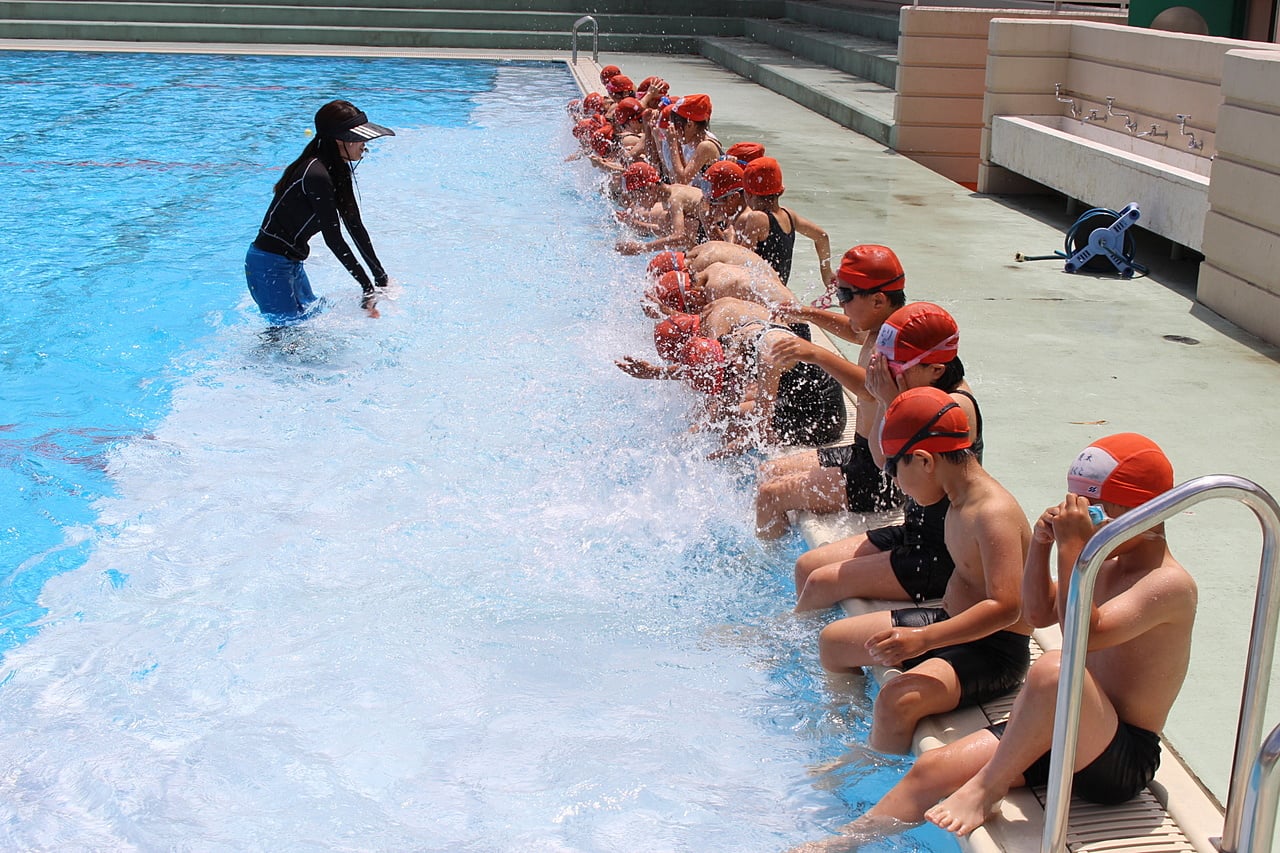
<point x="987" y="668"/>
<point x="918" y="547"/>
<point x="307" y="207"/>
<point x="809" y="407"/>
<point x="1119" y="774"/>
<point x="778" y="246"/>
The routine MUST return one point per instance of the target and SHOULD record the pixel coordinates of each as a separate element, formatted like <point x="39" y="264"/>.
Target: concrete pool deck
<point x="1057" y="360"/>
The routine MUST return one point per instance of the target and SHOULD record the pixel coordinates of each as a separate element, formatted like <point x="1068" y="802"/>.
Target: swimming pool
<point x="447" y="580"/>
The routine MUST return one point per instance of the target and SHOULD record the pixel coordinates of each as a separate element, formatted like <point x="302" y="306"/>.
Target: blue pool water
<point x="446" y="580"/>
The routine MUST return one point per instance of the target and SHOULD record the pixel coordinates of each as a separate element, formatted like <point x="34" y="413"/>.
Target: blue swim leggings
<point x="277" y="284"/>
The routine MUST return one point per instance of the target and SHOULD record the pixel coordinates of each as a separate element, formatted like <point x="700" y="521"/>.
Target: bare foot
<point x="965" y="810"/>
<point x="864" y="830"/>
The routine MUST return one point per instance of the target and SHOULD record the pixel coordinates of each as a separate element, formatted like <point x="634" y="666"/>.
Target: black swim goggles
<point x="845" y="294"/>
<point x="891" y="464"/>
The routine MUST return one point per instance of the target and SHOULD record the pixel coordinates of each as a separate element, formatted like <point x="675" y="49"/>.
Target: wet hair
<point x="680" y="121"/>
<point x="951" y="377"/>
<point x="958" y="457"/>
<point x="325" y="149"/>
<point x="955" y="457"/>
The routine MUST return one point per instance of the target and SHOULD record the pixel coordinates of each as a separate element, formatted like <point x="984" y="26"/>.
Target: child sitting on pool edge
<point x="1144" y="606"/>
<point x="975" y="647"/>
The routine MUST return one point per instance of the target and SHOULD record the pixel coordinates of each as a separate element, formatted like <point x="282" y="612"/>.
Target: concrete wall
<point x="1240" y="276"/>
<point x="942" y="69"/>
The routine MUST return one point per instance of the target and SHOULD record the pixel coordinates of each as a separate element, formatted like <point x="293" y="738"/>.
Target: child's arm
<point x="1156" y="598"/>
<point x="821" y="242"/>
<point x="850" y="375"/>
<point x="999" y="541"/>
<point x="828" y="321"/>
<point x="1039" y="591"/>
<point x="641" y="369"/>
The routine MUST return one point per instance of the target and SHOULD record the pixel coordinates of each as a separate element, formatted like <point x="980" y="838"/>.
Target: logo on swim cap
<point x="1087" y="473"/>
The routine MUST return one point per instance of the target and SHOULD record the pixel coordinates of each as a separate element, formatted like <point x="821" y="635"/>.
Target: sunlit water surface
<point x="446" y="580"/>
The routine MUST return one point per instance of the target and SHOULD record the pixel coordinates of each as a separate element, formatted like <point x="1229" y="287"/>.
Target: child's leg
<point x="1028" y="736"/>
<point x="868" y="574"/>
<point x="797" y="484"/>
<point x="930" y="687"/>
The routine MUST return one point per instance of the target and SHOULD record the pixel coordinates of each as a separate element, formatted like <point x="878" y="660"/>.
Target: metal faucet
<point x="1093" y="116"/>
<point x="1129" y="124"/>
<point x="1154" y="131"/>
<point x="1057" y="93"/>
<point x="1193" y="143"/>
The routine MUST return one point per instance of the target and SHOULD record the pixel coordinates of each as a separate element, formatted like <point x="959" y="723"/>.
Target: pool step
<point x="204" y="33"/>
<point x="365" y="17"/>
<point x="860" y="55"/>
<point x="855" y="102"/>
<point x="873" y="20"/>
<point x="838" y="58"/>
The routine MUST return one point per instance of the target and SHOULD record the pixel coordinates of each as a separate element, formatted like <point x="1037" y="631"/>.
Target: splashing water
<point x="447" y="580"/>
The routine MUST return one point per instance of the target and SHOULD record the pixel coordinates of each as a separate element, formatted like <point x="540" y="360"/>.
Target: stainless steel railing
<point x="1261" y="798"/>
<point x="1075" y="641"/>
<point x="595" y="38"/>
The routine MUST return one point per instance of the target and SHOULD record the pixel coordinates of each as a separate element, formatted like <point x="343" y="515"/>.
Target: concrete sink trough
<point x="1109" y="168"/>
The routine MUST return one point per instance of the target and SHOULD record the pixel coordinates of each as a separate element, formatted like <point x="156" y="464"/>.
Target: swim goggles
<point x="891" y="464"/>
<point x="845" y="294"/>
<point x="897" y="368"/>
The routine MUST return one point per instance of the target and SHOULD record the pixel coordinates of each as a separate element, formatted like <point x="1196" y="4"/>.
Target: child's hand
<point x="892" y="647"/>
<point x="637" y="367"/>
<point x="1043" y="531"/>
<point x="1072" y="525"/>
<point x="881" y="382"/>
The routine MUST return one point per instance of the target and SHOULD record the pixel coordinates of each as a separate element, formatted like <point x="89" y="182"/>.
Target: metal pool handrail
<point x="1261" y="798"/>
<point x="595" y="38"/>
<point x="1075" y="639"/>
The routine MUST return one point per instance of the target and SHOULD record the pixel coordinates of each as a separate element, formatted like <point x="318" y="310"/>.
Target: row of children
<point x="964" y="553"/>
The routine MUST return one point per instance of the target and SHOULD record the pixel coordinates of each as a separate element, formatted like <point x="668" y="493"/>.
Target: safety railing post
<point x="1261" y="798"/>
<point x="1075" y="641"/>
<point x="595" y="38"/>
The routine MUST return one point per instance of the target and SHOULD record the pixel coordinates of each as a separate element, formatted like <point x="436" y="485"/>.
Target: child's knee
<point x="1043" y="674"/>
<point x="904" y="700"/>
<point x="808" y="563"/>
<point x="831" y="644"/>
<point x="770" y="492"/>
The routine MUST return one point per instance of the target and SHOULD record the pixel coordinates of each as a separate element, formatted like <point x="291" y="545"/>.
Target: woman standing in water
<point x="313" y="194"/>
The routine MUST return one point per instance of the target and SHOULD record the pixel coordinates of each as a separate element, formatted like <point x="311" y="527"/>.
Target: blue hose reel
<point x="1099" y="242"/>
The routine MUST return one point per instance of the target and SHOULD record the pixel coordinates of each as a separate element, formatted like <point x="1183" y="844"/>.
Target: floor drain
<point x="1181" y="339"/>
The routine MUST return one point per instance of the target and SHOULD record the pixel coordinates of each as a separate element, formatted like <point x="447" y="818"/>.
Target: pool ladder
<point x="1249" y="822"/>
<point x="595" y="38"/>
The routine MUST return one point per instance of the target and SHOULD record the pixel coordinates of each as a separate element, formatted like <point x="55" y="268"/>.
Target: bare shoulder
<point x="688" y="196"/>
<point x="1169" y="587"/>
<point x="993" y="517"/>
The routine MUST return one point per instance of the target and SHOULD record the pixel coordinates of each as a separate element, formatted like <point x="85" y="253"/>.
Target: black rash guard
<point x="309" y="206"/>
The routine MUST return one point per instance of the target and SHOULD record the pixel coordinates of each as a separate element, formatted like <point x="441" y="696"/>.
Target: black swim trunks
<point x="866" y="488"/>
<point x="987" y="668"/>
<point x="1119" y="774"/>
<point x="918" y="549"/>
